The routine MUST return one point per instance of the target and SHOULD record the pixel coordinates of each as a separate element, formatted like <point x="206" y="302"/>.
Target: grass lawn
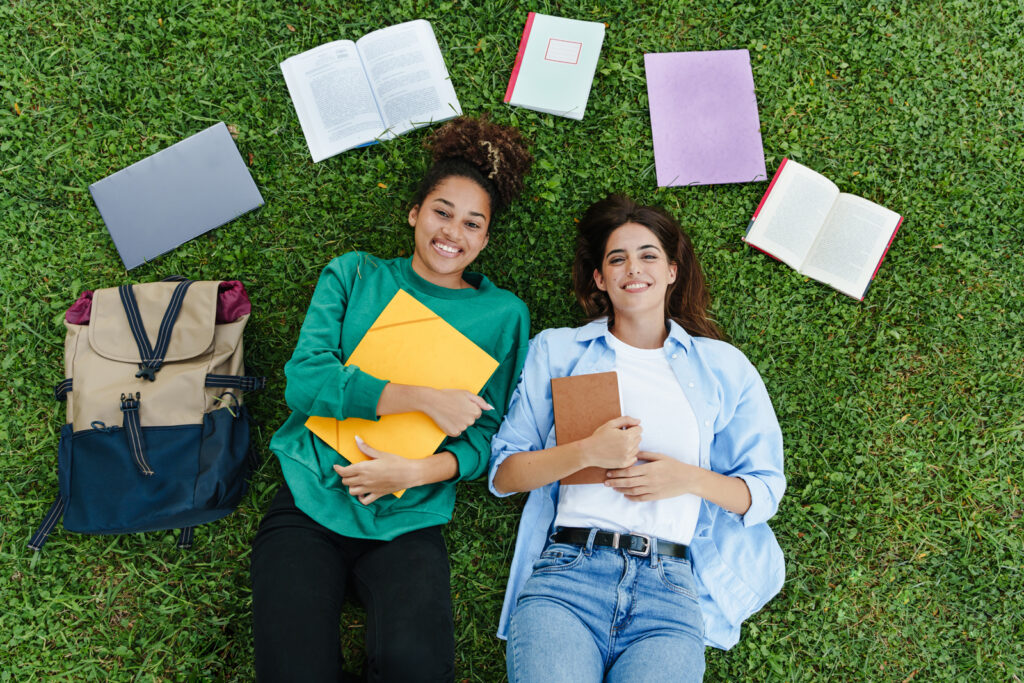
<point x="903" y="415"/>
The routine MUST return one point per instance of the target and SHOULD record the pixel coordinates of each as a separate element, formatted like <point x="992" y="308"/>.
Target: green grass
<point x="903" y="415"/>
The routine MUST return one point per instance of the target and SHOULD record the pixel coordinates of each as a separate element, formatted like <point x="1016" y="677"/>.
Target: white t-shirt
<point x="649" y="392"/>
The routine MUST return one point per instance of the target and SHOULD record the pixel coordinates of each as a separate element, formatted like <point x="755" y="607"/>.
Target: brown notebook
<point x="583" y="403"/>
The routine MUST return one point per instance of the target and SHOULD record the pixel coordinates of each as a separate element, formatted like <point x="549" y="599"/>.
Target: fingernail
<point x="489" y="406"/>
<point x="359" y="439"/>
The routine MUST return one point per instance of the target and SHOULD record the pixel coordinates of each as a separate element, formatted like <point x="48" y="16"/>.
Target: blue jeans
<point x="598" y="614"/>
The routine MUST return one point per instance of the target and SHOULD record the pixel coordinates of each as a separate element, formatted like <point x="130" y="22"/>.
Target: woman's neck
<point x="647" y="332"/>
<point x="447" y="280"/>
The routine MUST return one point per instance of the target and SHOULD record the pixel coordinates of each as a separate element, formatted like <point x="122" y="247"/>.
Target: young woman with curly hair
<point x="629" y="578"/>
<point x="332" y="529"/>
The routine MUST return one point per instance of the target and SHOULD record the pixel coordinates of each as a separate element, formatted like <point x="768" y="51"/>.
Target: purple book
<point x="704" y="118"/>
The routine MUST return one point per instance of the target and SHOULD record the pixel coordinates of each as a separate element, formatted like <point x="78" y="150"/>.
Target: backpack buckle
<point x="146" y="372"/>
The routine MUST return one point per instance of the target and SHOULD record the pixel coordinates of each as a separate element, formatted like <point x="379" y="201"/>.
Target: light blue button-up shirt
<point x="737" y="562"/>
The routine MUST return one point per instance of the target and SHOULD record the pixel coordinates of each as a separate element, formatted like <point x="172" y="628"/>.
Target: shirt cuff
<point x="760" y="509"/>
<point x="362" y="393"/>
<point x="492" y="470"/>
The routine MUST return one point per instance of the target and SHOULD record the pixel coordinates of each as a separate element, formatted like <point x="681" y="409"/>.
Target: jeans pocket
<point x="677" y="575"/>
<point x="558" y="556"/>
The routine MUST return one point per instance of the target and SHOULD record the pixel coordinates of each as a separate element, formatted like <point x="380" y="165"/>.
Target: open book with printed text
<point x="804" y="221"/>
<point x="354" y="93"/>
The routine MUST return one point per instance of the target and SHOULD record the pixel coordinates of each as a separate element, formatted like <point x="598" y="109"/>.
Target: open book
<point x="804" y="221"/>
<point x="349" y="94"/>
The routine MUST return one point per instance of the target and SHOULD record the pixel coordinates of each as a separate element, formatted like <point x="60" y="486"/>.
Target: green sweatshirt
<point x="352" y="291"/>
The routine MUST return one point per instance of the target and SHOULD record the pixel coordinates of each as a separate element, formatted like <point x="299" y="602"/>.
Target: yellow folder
<point x="407" y="344"/>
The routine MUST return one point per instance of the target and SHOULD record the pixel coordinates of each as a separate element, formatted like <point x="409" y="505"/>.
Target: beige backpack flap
<point x="110" y="332"/>
<point x="107" y="362"/>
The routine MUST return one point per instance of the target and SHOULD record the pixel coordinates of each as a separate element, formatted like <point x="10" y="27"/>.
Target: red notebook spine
<point x="519" y="57"/>
<point x="767" y="253"/>
<point x="891" y="238"/>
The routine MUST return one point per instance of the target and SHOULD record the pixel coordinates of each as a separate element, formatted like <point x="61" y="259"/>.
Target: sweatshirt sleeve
<point x="317" y="380"/>
<point x="473" y="446"/>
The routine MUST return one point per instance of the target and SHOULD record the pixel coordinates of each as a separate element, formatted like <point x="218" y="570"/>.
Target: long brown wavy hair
<point x="686" y="300"/>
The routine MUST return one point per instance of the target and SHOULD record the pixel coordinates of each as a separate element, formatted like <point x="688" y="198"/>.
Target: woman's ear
<point x="414" y="213"/>
<point x="672" y="270"/>
<point x="599" y="280"/>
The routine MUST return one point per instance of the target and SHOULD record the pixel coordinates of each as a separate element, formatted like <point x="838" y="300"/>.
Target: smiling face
<point x="450" y="230"/>
<point x="635" y="272"/>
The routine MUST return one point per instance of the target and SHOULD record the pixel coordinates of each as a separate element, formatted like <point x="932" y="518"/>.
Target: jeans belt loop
<point x="590" y="541"/>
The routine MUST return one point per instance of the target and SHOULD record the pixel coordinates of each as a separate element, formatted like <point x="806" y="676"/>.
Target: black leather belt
<point x="634" y="544"/>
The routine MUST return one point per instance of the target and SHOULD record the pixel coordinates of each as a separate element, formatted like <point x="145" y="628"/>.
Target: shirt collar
<point x="678" y="335"/>
<point x="592" y="330"/>
<point x="597" y="328"/>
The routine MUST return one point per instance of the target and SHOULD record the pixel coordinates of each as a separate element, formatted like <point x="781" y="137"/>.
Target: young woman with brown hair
<point x="628" y="579"/>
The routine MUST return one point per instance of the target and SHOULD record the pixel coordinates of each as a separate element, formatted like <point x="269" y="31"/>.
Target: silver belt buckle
<point x="645" y="551"/>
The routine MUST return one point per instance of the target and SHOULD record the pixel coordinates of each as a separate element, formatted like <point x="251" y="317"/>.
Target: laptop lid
<point x="178" y="193"/>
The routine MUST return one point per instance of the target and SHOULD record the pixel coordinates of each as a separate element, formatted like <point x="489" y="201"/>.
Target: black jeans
<point x="300" y="573"/>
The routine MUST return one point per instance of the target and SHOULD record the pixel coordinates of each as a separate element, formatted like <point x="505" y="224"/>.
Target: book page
<point x="408" y="76"/>
<point x="851" y="244"/>
<point x="794" y="212"/>
<point x="332" y="98"/>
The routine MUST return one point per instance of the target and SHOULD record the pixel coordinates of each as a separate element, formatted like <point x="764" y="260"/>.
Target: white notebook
<point x="555" y="66"/>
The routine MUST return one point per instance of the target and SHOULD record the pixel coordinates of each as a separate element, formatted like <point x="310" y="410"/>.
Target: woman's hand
<point x="614" y="444"/>
<point x="386" y="473"/>
<point x="454" y="410"/>
<point x="382" y="474"/>
<point x="661" y="477"/>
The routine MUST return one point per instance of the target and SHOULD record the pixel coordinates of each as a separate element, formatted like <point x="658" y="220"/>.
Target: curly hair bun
<point x="500" y="153"/>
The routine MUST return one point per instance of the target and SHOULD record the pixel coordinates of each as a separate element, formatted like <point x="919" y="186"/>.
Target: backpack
<point x="157" y="435"/>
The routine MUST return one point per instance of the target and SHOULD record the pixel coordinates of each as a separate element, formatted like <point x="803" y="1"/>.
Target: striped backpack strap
<point x="152" y="356"/>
